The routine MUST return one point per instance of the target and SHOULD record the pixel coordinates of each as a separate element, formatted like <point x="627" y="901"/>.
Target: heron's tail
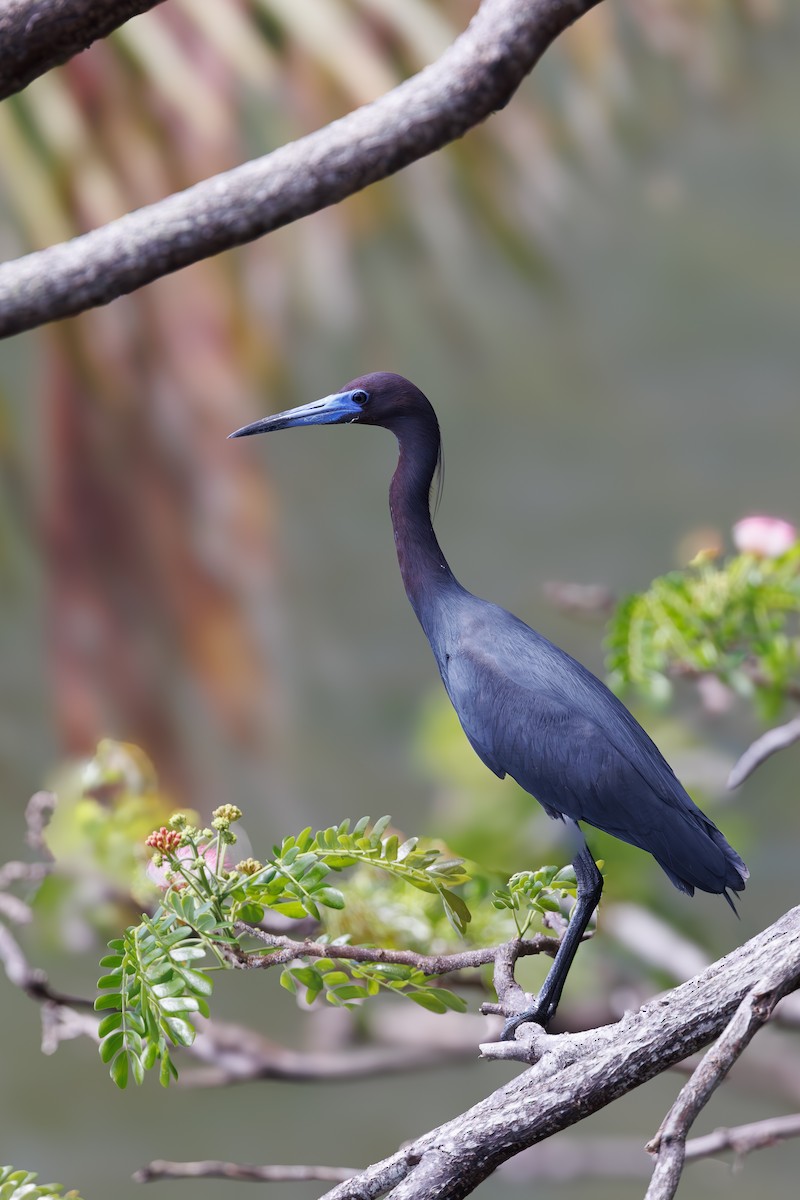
<point x="707" y="862"/>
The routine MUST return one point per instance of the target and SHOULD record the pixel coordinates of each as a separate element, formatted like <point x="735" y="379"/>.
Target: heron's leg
<point x="590" y="887"/>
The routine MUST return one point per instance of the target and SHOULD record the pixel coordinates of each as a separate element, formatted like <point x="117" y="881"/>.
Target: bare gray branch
<point x="779" y="738"/>
<point x="743" y="1139"/>
<point x="235" y="1054"/>
<point x="476" y="76"/>
<point x="30" y="979"/>
<point x="215" y="1169"/>
<point x="669" y="1144"/>
<point x="287" y="949"/>
<point x="36" y="35"/>
<point x="38" y="813"/>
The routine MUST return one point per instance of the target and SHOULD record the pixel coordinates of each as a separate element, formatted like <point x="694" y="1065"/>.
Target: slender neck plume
<point x="422" y="564"/>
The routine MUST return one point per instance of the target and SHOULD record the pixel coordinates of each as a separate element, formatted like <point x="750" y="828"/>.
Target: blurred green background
<point x="599" y="292"/>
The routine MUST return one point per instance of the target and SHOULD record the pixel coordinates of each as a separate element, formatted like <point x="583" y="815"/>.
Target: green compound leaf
<point x="21" y="1185"/>
<point x="296" y="885"/>
<point x="429" y="1001"/>
<point x="108" y="1001"/>
<point x="152" y="993"/>
<point x="119" y="1069"/>
<point x="348" y="983"/>
<point x="156" y="996"/>
<point x="532" y="894"/>
<point x="734" y="618"/>
<point x="456" y="910"/>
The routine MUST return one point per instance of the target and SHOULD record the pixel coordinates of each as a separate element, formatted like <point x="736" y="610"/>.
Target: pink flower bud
<point x="766" y="537"/>
<point x="164" y="839"/>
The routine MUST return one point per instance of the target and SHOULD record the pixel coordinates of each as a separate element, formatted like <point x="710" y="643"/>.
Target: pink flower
<point x="164" y="876"/>
<point x="766" y="537"/>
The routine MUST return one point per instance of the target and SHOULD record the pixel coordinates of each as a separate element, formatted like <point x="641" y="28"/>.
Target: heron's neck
<point x="423" y="566"/>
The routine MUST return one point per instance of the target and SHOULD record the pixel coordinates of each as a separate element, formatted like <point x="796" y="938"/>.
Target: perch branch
<point x="474" y="77"/>
<point x="36" y="35"/>
<point x="577" y="1074"/>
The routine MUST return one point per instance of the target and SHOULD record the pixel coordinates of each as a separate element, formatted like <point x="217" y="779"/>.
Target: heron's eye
<point x="360" y="397"/>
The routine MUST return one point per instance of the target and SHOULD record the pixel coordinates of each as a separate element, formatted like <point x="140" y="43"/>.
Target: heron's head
<point x="378" y="399"/>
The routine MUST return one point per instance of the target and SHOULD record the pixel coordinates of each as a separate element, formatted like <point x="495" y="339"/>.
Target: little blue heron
<point x="528" y="709"/>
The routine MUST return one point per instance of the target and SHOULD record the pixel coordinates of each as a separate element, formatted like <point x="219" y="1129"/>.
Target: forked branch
<point x="669" y="1144"/>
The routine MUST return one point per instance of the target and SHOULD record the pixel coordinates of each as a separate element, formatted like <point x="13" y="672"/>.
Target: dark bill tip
<point x="331" y="410"/>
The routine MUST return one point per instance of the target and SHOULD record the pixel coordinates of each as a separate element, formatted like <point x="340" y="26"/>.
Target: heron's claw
<point x="539" y="1013"/>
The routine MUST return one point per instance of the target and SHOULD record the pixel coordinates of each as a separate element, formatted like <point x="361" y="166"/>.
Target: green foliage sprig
<point x="532" y="894"/>
<point x="153" y="990"/>
<point x="294" y="882"/>
<point x="21" y="1185"/>
<point x="359" y="981"/>
<point x="735" y="618"/>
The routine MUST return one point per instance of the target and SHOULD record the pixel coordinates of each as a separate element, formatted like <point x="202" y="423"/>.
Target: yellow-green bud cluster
<point x="227" y="813"/>
<point x="249" y="866"/>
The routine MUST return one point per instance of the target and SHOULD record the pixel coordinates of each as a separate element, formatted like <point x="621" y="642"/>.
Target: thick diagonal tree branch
<point x="577" y="1074"/>
<point x="478" y="74"/>
<point x="36" y="35"/>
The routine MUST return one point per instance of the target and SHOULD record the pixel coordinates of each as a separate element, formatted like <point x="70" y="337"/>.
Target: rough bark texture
<point x="478" y="74"/>
<point x="579" y="1074"/>
<point x="36" y="35"/>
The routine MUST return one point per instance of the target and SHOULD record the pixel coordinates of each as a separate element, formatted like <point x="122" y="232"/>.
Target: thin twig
<point x="779" y="738"/>
<point x="287" y="949"/>
<point x="563" y="1160"/>
<point x="216" y="1169"/>
<point x="683" y="670"/>
<point x="580" y="599"/>
<point x="38" y="812"/>
<point x="36" y="35"/>
<point x="30" y="979"/>
<point x="743" y="1139"/>
<point x="669" y="1144"/>
<point x="23" y="872"/>
<point x="474" y="77"/>
<point x="15" y="910"/>
<point x="235" y="1054"/>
